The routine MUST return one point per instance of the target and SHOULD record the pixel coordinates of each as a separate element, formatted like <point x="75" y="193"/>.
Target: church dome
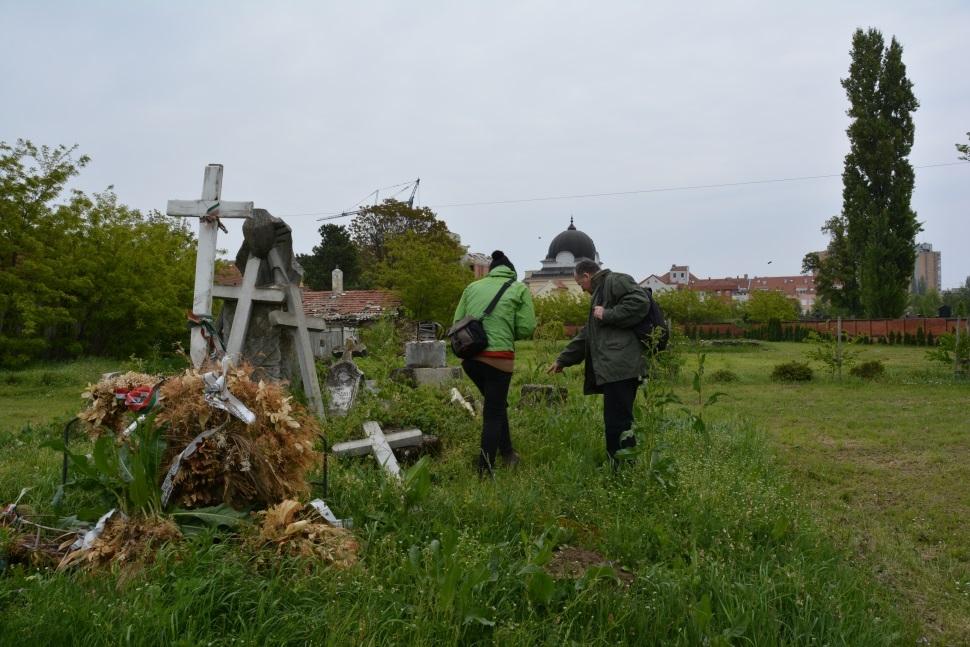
<point x="574" y="243"/>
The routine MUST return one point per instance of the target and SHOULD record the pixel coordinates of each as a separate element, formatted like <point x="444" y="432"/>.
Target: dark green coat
<point x="609" y="346"/>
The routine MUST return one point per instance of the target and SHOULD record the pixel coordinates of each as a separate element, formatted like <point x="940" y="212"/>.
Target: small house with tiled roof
<point x="343" y="311"/>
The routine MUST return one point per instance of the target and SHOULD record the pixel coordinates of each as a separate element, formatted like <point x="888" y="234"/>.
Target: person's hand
<point x="555" y="367"/>
<point x="598" y="312"/>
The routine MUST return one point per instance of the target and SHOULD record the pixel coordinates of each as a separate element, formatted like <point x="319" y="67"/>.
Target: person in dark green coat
<point x="491" y="370"/>
<point x="614" y="358"/>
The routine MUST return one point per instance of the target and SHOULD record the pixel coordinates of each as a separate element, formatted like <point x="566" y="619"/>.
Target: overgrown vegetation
<point x="699" y="541"/>
<point x="83" y="275"/>
<point x="792" y="372"/>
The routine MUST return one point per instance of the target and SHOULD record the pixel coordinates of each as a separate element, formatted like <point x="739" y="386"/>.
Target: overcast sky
<point x="310" y="108"/>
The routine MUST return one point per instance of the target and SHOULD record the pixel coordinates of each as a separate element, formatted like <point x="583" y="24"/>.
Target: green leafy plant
<point x="952" y="352"/>
<point x="123" y="474"/>
<point x="868" y="370"/>
<point x="723" y="375"/>
<point x="696" y="418"/>
<point x="792" y="372"/>
<point x="832" y="355"/>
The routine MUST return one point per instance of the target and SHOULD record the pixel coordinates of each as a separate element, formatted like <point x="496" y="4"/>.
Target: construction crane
<point x="377" y="193"/>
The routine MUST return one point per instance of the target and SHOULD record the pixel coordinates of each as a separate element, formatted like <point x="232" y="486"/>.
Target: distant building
<point x="677" y="278"/>
<point x="565" y="250"/>
<point x="477" y="263"/>
<point x="927" y="274"/>
<point x="737" y="288"/>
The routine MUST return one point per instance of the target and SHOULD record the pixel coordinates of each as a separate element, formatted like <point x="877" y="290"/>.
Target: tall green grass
<point x="720" y="549"/>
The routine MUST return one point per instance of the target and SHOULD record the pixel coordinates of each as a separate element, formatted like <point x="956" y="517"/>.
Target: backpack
<point x="653" y="331"/>
<point x="468" y="336"/>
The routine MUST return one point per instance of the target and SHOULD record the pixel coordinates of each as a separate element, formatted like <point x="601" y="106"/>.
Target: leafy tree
<point x="426" y="272"/>
<point x="871" y="255"/>
<point x="86" y="275"/>
<point x="958" y="299"/>
<point x="570" y="308"/>
<point x="688" y="307"/>
<point x="336" y="249"/>
<point x="375" y="226"/>
<point x="964" y="150"/>
<point x="926" y="303"/>
<point x="765" y="305"/>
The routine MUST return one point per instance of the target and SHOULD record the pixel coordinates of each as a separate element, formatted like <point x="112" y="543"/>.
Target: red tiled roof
<point x="707" y="285"/>
<point x="228" y="274"/>
<point x="352" y="305"/>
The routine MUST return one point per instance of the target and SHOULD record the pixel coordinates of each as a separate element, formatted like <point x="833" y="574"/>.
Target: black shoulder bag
<point x="468" y="336"/>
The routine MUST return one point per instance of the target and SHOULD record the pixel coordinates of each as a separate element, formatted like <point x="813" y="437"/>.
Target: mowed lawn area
<point x="885" y="465"/>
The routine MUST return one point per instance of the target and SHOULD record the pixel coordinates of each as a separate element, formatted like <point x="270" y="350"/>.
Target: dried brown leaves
<point x="104" y="409"/>
<point x="241" y="465"/>
<point x="297" y="530"/>
<point x="125" y="541"/>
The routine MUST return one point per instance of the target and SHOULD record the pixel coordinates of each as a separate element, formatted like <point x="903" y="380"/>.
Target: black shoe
<point x="512" y="459"/>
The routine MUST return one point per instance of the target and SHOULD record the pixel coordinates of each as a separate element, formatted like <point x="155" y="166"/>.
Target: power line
<point x="688" y="187"/>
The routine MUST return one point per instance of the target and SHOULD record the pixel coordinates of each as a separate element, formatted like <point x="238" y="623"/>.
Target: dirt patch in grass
<point x="572" y="563"/>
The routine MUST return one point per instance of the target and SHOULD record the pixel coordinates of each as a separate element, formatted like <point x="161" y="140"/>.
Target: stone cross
<point x="208" y="210"/>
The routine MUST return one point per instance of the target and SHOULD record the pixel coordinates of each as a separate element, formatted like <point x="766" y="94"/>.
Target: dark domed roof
<point x="574" y="241"/>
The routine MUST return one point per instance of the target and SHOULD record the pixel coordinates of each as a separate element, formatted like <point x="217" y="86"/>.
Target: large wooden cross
<point x="208" y="210"/>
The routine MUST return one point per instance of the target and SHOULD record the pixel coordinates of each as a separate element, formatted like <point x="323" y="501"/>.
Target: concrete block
<point x="423" y="376"/>
<point x="424" y="354"/>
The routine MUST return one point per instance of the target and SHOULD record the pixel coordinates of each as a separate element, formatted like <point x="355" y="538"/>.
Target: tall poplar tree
<point x="872" y="252"/>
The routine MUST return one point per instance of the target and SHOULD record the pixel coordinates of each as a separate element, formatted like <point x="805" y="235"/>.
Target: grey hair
<point x="586" y="266"/>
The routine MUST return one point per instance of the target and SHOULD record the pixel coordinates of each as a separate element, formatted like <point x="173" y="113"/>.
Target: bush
<point x="723" y="375"/>
<point x="792" y="372"/>
<point x="868" y="370"/>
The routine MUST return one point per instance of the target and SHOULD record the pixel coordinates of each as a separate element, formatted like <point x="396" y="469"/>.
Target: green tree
<point x="765" y="305"/>
<point x="925" y="303"/>
<point x="83" y="275"/>
<point x="570" y="308"/>
<point x="336" y="249"/>
<point x="964" y="150"/>
<point x="689" y="307"/>
<point x="374" y="227"/>
<point x="871" y="255"/>
<point x="426" y="272"/>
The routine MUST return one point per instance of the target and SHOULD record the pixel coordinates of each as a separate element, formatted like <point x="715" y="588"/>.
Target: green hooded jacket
<point x="609" y="346"/>
<point x="513" y="318"/>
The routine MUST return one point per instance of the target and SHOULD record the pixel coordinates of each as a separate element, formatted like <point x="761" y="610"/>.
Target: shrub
<point x="723" y="375"/>
<point x="792" y="372"/>
<point x="868" y="370"/>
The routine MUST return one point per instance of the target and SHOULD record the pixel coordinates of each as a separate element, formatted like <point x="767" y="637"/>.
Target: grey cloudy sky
<point x="310" y="107"/>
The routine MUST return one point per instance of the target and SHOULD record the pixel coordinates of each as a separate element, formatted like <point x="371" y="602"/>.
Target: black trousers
<point x="493" y="384"/>
<point x="618" y="398"/>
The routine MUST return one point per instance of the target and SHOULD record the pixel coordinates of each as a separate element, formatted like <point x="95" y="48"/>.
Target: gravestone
<point x="424" y="354"/>
<point x="343" y="384"/>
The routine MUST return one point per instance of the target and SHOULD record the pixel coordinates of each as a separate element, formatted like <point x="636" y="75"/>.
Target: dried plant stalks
<point x="293" y="529"/>
<point x="126" y="541"/>
<point x="244" y="466"/>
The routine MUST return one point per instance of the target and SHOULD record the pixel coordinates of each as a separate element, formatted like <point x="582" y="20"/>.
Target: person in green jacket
<point x="491" y="370"/>
<point x="615" y="362"/>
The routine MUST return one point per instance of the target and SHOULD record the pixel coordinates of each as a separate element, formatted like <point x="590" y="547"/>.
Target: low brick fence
<point x="871" y="328"/>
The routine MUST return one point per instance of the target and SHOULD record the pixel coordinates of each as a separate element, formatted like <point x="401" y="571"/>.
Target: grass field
<point x="884" y="464"/>
<point x="819" y="513"/>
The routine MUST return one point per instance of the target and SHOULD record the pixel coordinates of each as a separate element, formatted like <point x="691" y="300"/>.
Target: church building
<point x="556" y="275"/>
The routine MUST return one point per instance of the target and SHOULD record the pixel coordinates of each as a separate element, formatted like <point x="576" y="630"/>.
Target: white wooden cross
<point x="382" y="450"/>
<point x="208" y="210"/>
